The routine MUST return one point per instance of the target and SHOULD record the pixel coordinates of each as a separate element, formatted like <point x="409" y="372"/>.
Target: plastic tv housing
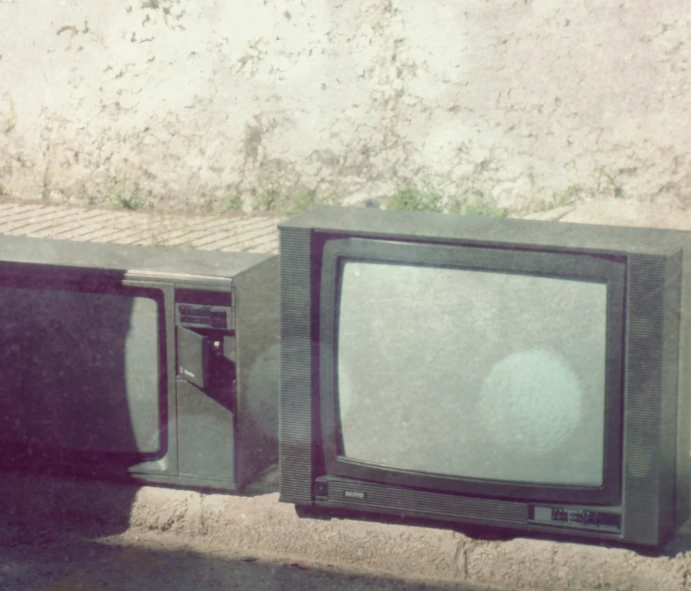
<point x="154" y="365"/>
<point x="484" y="373"/>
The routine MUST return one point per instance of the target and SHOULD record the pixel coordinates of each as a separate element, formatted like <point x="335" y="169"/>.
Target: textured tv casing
<point x="654" y="467"/>
<point x="218" y="430"/>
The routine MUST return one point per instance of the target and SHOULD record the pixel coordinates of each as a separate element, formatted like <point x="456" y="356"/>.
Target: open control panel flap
<point x="194" y="351"/>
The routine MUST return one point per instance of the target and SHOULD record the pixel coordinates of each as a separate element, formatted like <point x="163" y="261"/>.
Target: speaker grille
<point x="295" y="448"/>
<point x="654" y="289"/>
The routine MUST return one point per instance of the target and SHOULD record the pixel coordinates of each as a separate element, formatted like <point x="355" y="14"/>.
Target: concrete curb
<point x="259" y="526"/>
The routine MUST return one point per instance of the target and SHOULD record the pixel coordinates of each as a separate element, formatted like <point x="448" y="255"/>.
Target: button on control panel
<point x="575" y="517"/>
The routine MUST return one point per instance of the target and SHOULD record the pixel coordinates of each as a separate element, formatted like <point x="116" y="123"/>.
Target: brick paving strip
<point x="239" y="232"/>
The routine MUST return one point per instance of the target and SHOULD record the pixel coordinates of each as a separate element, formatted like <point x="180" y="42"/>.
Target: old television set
<point x="485" y="373"/>
<point x="146" y="364"/>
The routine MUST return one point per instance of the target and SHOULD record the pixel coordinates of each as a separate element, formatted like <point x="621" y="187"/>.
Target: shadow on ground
<point x="34" y="500"/>
<point x="45" y="559"/>
<point x="94" y="506"/>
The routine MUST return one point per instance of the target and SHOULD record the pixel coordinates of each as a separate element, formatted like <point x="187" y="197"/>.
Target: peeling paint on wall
<point x="521" y="103"/>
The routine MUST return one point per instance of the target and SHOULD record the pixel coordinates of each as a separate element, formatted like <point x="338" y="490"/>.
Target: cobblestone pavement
<point x="239" y="232"/>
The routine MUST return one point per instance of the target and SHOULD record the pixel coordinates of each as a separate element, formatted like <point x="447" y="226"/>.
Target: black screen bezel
<point x="610" y="270"/>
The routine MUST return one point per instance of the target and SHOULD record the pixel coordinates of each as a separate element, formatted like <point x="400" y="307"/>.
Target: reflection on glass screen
<point x="80" y="370"/>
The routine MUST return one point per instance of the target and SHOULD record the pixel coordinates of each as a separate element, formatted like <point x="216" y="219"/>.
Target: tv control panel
<point x="205" y="338"/>
<point x="577" y="518"/>
<point x="201" y="316"/>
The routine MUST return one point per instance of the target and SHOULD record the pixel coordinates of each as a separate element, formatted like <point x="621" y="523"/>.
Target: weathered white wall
<point x="521" y="101"/>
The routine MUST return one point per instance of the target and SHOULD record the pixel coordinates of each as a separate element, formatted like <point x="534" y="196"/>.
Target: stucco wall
<point x="188" y="102"/>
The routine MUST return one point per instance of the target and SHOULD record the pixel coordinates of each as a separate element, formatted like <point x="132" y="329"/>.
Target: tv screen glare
<point x="485" y="372"/>
<point x="80" y="355"/>
<point x="529" y="351"/>
<point x="147" y="364"/>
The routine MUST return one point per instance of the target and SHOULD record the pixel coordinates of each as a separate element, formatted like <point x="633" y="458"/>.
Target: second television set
<point x="485" y="372"/>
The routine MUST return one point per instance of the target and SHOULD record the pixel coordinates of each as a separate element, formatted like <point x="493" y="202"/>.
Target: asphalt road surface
<point x="58" y="560"/>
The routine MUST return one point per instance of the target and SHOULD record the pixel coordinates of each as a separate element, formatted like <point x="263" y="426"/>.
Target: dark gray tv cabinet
<point x="219" y="329"/>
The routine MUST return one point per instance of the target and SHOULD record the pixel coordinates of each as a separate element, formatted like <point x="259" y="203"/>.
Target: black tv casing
<point x="648" y="374"/>
<point x="218" y="330"/>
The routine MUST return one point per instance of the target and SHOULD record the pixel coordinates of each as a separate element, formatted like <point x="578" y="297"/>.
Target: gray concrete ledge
<point x="258" y="526"/>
